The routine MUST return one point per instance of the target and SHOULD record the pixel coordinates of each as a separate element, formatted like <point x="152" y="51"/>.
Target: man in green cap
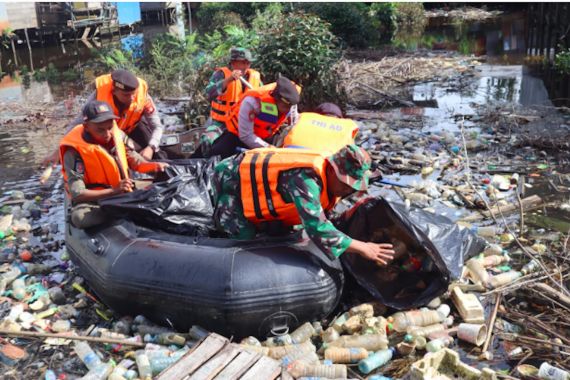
<point x="224" y="90"/>
<point x="288" y="187"/>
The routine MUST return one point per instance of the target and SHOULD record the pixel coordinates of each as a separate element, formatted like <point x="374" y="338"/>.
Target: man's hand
<point x="51" y="159"/>
<point x="234" y="76"/>
<point x="125" y="186"/>
<point x="381" y="253"/>
<point x="160" y="166"/>
<point x="147" y="153"/>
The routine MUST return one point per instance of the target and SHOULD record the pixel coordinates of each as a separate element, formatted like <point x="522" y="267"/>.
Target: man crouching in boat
<point x="96" y="156"/>
<point x="291" y="187"/>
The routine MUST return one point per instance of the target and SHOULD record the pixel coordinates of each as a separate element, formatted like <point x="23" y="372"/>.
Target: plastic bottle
<point x="19" y="289"/>
<point x="493" y="249"/>
<point x="438" y="344"/>
<point x="8" y="277"/>
<point x="504" y="278"/>
<point x="251" y="341"/>
<point x="334" y="371"/>
<point x="329" y="335"/>
<point x="494" y="260"/>
<point x="100" y="372"/>
<point x="196" y="332"/>
<point x="143" y="365"/>
<point x="488" y="231"/>
<point x="425" y="330"/>
<point x="50" y="375"/>
<point x="424" y="317"/>
<point x="302" y="333"/>
<point x="376" y="360"/>
<point x="345" y="355"/>
<point x="281" y="351"/>
<point x="548" y="372"/>
<point x="530" y="267"/>
<point x="170" y="338"/>
<point x="281" y="340"/>
<point x="379" y="377"/>
<point x="338" y="322"/>
<point x="307" y="357"/>
<point x="159" y="364"/>
<point x="477" y="271"/>
<point x="366" y="310"/>
<point x="370" y="342"/>
<point x="86" y="354"/>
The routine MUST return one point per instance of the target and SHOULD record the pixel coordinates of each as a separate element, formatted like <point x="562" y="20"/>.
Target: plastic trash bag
<point x="430" y="251"/>
<point x="179" y="202"/>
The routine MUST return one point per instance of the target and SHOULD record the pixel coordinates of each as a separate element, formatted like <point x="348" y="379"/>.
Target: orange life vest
<point x="259" y="176"/>
<point x="222" y="105"/>
<point x="326" y="134"/>
<point x="268" y="121"/>
<point x="101" y="168"/>
<point x="131" y="116"/>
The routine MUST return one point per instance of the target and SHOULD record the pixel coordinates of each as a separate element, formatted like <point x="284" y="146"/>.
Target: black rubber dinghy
<point x="231" y="287"/>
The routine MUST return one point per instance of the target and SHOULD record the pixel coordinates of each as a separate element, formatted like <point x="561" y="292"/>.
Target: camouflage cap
<point x="352" y="166"/>
<point x="240" y="54"/>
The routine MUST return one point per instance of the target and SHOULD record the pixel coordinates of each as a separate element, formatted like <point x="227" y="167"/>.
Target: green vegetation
<point x="305" y="52"/>
<point x="562" y="61"/>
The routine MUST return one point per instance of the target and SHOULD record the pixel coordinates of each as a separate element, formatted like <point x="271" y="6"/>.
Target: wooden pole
<point x="33" y="334"/>
<point x="29" y="48"/>
<point x="491" y="325"/>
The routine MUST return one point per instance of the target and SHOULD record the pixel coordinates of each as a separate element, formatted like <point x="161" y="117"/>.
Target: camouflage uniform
<point x="302" y="186"/>
<point x="214" y="89"/>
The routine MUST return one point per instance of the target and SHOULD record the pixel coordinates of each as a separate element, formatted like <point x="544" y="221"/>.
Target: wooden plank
<point x="217" y="363"/>
<point x="286" y="375"/>
<point x="238" y="366"/>
<point x="194" y="359"/>
<point x="265" y="368"/>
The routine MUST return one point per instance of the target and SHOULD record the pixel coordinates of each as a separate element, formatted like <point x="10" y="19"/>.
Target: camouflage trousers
<point x="213" y="130"/>
<point x="228" y="213"/>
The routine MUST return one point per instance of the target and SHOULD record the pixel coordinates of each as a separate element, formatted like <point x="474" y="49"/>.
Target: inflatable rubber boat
<point x="232" y="287"/>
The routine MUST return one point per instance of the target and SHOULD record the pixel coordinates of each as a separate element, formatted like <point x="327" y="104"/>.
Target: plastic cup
<point x="472" y="333"/>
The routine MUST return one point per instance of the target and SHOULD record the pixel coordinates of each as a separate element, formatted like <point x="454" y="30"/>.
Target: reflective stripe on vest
<point x="326" y="134"/>
<point x="268" y="121"/>
<point x="259" y="176"/>
<point x="129" y="119"/>
<point x="222" y="105"/>
<point x="101" y="169"/>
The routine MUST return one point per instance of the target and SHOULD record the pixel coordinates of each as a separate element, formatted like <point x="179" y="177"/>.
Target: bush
<point x="223" y="19"/>
<point x="210" y="15"/>
<point x="562" y="61"/>
<point x="305" y="52"/>
<point x="350" y="22"/>
<point x="411" y="14"/>
<point x="384" y="19"/>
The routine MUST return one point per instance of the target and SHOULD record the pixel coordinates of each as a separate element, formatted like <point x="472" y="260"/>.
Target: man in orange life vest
<point x="96" y="156"/>
<point x="224" y="90"/>
<point x="258" y="116"/>
<point x="291" y="187"/>
<point x="137" y="116"/>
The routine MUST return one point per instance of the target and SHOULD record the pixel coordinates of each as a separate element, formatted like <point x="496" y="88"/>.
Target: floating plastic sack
<point x="179" y="203"/>
<point x="430" y="251"/>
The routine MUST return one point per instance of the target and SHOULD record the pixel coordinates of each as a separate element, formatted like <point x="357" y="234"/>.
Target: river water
<point x="32" y="116"/>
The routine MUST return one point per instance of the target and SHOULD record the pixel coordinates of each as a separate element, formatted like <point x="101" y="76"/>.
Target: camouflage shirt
<point x="215" y="86"/>
<point x="300" y="186"/>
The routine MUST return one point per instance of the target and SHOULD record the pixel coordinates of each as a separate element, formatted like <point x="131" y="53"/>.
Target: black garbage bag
<point x="430" y="250"/>
<point x="179" y="202"/>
